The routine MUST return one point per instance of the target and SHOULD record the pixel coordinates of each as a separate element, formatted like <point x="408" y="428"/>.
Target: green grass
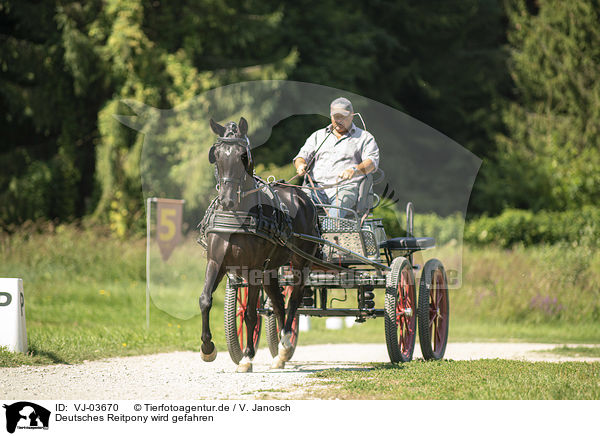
<point x="85" y="297"/>
<point x="462" y="330"/>
<point x="495" y="379"/>
<point x="571" y="351"/>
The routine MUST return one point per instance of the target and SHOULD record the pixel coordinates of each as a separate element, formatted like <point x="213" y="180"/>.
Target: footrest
<point x="406" y="243"/>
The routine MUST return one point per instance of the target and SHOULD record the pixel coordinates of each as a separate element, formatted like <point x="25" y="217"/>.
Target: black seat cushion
<point x="406" y="243"/>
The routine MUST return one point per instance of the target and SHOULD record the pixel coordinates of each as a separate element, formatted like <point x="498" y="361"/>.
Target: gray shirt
<point x="336" y="155"/>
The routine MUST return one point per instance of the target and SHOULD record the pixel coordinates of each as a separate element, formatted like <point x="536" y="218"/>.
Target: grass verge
<point x="570" y="351"/>
<point x="489" y="379"/>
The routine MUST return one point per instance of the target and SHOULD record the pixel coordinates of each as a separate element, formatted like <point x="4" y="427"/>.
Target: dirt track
<point x="183" y="375"/>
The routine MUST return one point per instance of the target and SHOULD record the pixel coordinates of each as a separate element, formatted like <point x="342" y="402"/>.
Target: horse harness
<point x="275" y="228"/>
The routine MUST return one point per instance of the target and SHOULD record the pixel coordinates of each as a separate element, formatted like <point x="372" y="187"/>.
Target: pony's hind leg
<point x="214" y="275"/>
<point x="251" y="320"/>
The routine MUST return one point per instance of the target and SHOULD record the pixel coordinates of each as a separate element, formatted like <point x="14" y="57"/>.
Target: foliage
<point x="540" y="285"/>
<point x="511" y="227"/>
<point x="515" y="82"/>
<point x="577" y="227"/>
<point x="67" y="65"/>
<point x="444" y="229"/>
<point x="165" y="69"/>
<point x="549" y="157"/>
<point x="49" y="112"/>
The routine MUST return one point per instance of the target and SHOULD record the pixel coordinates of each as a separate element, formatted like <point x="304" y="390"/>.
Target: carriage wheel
<point x="434" y="310"/>
<point x="273" y="328"/>
<point x="236" y="301"/>
<point x="400" y="311"/>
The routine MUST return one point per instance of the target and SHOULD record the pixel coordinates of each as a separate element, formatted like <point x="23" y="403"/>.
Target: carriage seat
<point x="406" y="243"/>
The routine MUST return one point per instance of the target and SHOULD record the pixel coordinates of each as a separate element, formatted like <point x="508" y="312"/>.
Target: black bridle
<point x="221" y="181"/>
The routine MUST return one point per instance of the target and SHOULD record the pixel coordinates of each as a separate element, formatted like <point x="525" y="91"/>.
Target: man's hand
<point x="347" y="173"/>
<point x="301" y="170"/>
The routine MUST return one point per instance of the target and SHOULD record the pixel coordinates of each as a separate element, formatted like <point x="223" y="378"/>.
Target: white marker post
<point x="13" y="333"/>
<point x="168" y="234"/>
<point x="335" y="323"/>
<point x="149" y="202"/>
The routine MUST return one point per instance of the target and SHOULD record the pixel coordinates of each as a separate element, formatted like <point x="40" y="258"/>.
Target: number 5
<point x="166" y="221"/>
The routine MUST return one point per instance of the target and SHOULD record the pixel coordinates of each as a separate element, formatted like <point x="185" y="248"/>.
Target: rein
<point x="314" y="188"/>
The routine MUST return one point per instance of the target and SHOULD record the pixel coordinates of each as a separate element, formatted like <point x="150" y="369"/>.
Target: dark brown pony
<point x="248" y="252"/>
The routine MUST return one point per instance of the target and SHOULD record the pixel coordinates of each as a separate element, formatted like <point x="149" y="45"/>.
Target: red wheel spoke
<point x="404" y="321"/>
<point x="440" y="298"/>
<point x="241" y="335"/>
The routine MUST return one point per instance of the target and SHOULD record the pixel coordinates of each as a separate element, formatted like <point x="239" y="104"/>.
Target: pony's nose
<point x="228" y="204"/>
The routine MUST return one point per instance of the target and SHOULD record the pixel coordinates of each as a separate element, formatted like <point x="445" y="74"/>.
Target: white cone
<point x="334" y="323"/>
<point x="304" y="323"/>
<point x="13" y="332"/>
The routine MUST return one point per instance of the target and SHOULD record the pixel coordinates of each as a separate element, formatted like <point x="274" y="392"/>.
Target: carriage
<point x="264" y="224"/>
<point x="357" y="256"/>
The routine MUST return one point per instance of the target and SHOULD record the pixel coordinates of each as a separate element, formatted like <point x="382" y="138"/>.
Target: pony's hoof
<point x="286" y="349"/>
<point x="285" y="354"/>
<point x="245" y="365"/>
<point x="209" y="357"/>
<point x="277" y="363"/>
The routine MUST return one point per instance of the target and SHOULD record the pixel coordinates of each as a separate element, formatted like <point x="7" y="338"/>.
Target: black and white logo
<point x="26" y="415"/>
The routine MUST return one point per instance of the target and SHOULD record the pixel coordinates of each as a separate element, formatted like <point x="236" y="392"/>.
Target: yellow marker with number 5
<point x="166" y="221"/>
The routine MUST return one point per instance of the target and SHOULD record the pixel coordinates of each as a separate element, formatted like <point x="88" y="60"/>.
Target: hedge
<point x="522" y="226"/>
<point x="513" y="226"/>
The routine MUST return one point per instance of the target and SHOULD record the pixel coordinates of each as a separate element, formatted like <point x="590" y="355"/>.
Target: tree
<point x="550" y="156"/>
<point x="163" y="55"/>
<point x="50" y="93"/>
<point x="65" y="67"/>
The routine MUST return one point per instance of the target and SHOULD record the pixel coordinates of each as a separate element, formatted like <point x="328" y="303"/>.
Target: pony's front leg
<point x="285" y="345"/>
<point x="251" y="320"/>
<point x="214" y="274"/>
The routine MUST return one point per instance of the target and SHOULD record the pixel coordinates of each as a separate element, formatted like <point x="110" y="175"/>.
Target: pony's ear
<point x="211" y="155"/>
<point x="217" y="128"/>
<point x="243" y="126"/>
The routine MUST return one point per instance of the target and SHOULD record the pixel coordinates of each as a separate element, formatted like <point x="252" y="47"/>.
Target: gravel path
<point x="183" y="375"/>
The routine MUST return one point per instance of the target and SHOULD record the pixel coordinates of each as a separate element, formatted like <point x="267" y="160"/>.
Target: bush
<point x="578" y="227"/>
<point x="443" y="229"/>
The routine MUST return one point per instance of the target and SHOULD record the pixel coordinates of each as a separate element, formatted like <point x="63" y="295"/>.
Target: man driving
<point x="336" y="157"/>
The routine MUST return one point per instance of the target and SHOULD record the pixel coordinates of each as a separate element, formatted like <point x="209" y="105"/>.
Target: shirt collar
<point x="349" y="133"/>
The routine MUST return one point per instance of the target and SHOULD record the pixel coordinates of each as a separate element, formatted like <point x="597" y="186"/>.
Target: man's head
<point x="341" y="112"/>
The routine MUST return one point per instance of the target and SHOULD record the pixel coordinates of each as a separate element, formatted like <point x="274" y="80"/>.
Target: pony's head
<point x="231" y="155"/>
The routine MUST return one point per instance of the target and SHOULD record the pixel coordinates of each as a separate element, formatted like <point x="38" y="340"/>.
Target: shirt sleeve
<point x="308" y="148"/>
<point x="370" y="150"/>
